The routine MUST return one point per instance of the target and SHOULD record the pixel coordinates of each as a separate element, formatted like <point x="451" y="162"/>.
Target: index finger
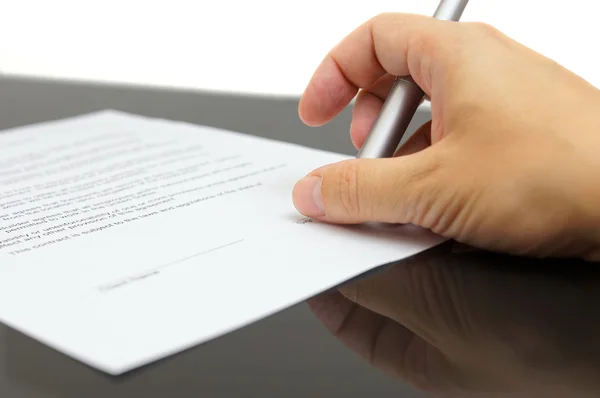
<point x="398" y="44"/>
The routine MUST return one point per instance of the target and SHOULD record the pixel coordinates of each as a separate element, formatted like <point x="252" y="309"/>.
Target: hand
<point x="475" y="324"/>
<point x="508" y="163"/>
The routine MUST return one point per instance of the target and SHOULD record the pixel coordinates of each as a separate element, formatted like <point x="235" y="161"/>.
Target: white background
<point x="249" y="46"/>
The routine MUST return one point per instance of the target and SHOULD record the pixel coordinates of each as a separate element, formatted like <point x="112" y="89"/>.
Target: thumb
<point x="395" y="190"/>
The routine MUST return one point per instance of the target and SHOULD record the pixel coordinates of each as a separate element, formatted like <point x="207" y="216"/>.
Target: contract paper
<point x="126" y="239"/>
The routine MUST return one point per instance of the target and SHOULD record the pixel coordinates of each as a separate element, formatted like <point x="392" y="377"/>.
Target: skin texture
<point x="508" y="164"/>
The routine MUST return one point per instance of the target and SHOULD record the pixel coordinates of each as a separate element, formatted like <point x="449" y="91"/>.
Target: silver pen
<point x="403" y="100"/>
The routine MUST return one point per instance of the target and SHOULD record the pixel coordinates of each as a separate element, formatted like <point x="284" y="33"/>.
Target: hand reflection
<point x="475" y="324"/>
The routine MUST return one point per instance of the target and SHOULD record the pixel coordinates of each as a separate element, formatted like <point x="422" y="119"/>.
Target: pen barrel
<point x="403" y="100"/>
<point x="397" y="112"/>
<point x="450" y="10"/>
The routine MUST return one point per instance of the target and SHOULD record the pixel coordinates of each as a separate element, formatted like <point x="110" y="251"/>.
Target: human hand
<point x="475" y="324"/>
<point x="508" y="163"/>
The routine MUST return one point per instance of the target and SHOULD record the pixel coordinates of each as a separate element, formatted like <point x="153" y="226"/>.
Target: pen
<point x="403" y="100"/>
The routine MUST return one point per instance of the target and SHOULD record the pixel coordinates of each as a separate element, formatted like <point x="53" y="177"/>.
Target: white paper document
<point x="126" y="239"/>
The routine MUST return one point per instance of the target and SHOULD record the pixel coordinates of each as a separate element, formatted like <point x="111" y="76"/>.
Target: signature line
<point x="156" y="270"/>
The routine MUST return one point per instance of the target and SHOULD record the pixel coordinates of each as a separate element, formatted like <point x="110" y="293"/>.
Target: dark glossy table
<point x="290" y="354"/>
<point x="287" y="355"/>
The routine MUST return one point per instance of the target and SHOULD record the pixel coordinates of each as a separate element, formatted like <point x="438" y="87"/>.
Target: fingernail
<point x="307" y="197"/>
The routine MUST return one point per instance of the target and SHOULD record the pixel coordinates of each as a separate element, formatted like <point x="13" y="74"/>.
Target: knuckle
<point x="426" y="174"/>
<point x="427" y="181"/>
<point x="416" y="368"/>
<point x="423" y="43"/>
<point x="352" y="292"/>
<point x="377" y="18"/>
<point x="384" y="17"/>
<point x="348" y="189"/>
<point x="482" y="29"/>
<point x="363" y="292"/>
<point x="381" y="21"/>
